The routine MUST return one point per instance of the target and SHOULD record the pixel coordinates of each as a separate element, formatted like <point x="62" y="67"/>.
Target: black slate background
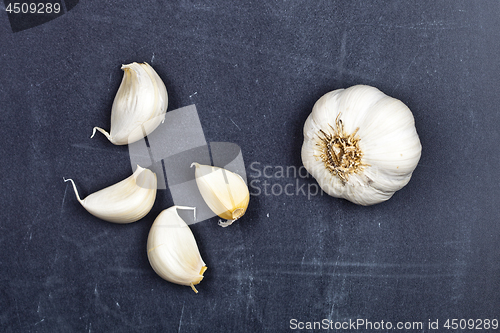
<point x="254" y="70"/>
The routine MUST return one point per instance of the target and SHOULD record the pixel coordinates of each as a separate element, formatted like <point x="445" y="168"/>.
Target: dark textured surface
<point x="254" y="70"/>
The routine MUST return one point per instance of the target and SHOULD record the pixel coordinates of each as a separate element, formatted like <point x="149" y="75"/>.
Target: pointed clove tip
<point x="108" y="136"/>
<point x="74" y="189"/>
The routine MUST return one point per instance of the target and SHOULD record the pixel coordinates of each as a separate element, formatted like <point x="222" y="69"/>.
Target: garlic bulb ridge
<point x="360" y="144"/>
<point x="139" y="105"/>
<point x="124" y="202"/>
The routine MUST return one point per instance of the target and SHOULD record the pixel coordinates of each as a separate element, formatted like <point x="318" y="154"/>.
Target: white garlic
<point x="172" y="249"/>
<point x="360" y="144"/>
<point x="139" y="105"/>
<point x="224" y="192"/>
<point x="124" y="202"/>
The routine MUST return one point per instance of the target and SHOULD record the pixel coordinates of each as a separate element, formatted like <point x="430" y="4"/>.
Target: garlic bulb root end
<point x="340" y="151"/>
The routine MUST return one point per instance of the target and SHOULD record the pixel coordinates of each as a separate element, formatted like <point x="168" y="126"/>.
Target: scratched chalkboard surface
<point x="427" y="260"/>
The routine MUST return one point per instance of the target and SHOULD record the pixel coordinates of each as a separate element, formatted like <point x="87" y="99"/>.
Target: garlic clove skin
<point x="139" y="105"/>
<point x="124" y="202"/>
<point x="224" y="192"/>
<point x="380" y="145"/>
<point x="172" y="249"/>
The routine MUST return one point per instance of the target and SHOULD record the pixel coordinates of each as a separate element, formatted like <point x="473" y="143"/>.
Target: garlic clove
<point x="124" y="202"/>
<point x="139" y="105"/>
<point x="172" y="249"/>
<point x="225" y="192"/>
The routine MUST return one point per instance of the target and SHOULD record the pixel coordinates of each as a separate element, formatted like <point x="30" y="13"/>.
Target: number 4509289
<point x="471" y="324"/>
<point x="33" y="8"/>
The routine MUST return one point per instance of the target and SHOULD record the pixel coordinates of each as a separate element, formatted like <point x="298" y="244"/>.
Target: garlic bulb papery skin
<point x="224" y="192"/>
<point x="139" y="105"/>
<point x="172" y="249"/>
<point x="360" y="144"/>
<point x="124" y="202"/>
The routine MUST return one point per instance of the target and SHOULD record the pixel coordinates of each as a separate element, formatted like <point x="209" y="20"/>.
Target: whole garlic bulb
<point x="124" y="202"/>
<point x="139" y="105"/>
<point x="172" y="249"/>
<point x="360" y="144"/>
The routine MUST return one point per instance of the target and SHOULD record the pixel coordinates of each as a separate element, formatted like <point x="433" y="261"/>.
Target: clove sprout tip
<point x="74" y="188"/>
